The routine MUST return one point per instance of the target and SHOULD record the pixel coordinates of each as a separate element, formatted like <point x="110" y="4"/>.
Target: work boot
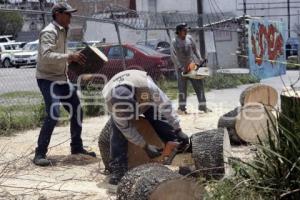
<point x="83" y="151"/>
<point x="182" y="112"/>
<point x="204" y="109"/>
<point x="41" y="160"/>
<point x="116" y="175"/>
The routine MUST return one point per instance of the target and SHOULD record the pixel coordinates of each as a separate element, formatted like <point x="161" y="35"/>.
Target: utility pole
<point x="244" y="34"/>
<point x="42" y="7"/>
<point x="245" y="7"/>
<point x="200" y="24"/>
<point x="289" y="18"/>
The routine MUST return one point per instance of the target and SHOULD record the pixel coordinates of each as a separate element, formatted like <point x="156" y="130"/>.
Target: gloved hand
<point x="152" y="150"/>
<point x="182" y="137"/>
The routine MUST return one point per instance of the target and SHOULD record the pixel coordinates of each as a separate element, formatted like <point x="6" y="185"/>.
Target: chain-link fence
<point x="130" y="40"/>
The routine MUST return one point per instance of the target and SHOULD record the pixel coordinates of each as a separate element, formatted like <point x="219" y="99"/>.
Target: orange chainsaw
<point x="172" y="148"/>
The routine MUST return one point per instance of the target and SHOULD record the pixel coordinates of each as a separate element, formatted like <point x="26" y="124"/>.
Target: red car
<point x="136" y="57"/>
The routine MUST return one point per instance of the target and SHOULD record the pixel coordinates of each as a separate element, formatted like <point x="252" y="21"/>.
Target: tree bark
<point x="228" y="121"/>
<point x="157" y="182"/>
<point x="290" y="110"/>
<point x="210" y="150"/>
<point x="136" y="155"/>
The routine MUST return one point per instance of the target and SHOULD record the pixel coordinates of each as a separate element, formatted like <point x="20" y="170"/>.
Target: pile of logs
<point x="250" y="122"/>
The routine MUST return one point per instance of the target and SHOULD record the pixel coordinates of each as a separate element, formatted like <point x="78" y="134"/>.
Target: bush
<point x="92" y="101"/>
<point x="10" y="23"/>
<point x="224" y="81"/>
<point x="275" y="171"/>
<point x="218" y="81"/>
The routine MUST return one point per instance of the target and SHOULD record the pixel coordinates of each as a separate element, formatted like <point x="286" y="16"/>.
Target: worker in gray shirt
<point x="128" y="95"/>
<point x="183" y="53"/>
<point x="51" y="75"/>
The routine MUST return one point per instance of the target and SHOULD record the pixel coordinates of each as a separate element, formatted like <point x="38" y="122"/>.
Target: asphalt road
<point x="22" y="79"/>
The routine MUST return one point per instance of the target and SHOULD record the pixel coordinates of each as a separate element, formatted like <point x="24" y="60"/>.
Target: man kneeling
<point x="128" y="95"/>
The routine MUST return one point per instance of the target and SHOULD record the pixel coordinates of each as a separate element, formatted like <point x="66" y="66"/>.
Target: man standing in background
<point x="53" y="83"/>
<point x="183" y="53"/>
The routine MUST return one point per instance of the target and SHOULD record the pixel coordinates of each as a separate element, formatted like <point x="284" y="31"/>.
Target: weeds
<point x="275" y="171"/>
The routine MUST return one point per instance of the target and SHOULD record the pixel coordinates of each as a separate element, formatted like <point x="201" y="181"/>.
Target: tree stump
<point x="210" y="151"/>
<point x="290" y="109"/>
<point x="157" y="182"/>
<point x="228" y="121"/>
<point x="253" y="123"/>
<point x="259" y="93"/>
<point x="104" y="143"/>
<point x="136" y="155"/>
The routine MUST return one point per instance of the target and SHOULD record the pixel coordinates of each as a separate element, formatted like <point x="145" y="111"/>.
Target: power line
<point x="219" y="8"/>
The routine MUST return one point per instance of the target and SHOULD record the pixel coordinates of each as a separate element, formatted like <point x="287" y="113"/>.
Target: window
<point x="3" y="40"/>
<point x="8" y="47"/>
<point x="129" y="54"/>
<point x="115" y="53"/>
<point x="163" y="45"/>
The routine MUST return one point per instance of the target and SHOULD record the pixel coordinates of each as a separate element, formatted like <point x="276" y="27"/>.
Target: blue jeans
<point x="54" y="95"/>
<point x="119" y="144"/>
<point x="198" y="85"/>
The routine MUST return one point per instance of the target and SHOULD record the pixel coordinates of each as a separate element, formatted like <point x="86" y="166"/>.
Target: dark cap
<point x="181" y="26"/>
<point x="62" y="8"/>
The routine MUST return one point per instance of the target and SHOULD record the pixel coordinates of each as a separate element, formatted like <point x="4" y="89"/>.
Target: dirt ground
<point x="78" y="177"/>
<point x="70" y="177"/>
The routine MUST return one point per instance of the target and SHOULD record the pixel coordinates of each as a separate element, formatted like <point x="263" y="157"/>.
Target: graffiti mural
<point x="266" y="48"/>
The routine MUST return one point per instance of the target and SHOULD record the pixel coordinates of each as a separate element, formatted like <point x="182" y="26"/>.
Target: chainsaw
<point x="196" y="71"/>
<point x="172" y="148"/>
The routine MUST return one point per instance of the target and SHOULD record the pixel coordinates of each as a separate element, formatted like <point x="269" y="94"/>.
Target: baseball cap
<point x="181" y="26"/>
<point x="62" y="7"/>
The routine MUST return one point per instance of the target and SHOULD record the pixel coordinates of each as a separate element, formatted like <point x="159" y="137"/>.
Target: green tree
<point x="10" y="23"/>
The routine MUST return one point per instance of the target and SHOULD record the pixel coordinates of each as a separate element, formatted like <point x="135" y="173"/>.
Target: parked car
<point x="292" y="46"/>
<point x="136" y="57"/>
<point x="7" y="51"/>
<point x="6" y="38"/>
<point x="28" y="56"/>
<point x="158" y="45"/>
<point x="76" y="45"/>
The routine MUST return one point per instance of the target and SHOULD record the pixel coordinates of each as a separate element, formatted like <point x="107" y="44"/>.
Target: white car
<point x="6" y="38"/>
<point x="7" y="51"/>
<point x="28" y="56"/>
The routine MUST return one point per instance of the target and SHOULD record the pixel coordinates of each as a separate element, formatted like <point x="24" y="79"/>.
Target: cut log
<point x="156" y="182"/>
<point x="211" y="150"/>
<point x="259" y="93"/>
<point x="136" y="155"/>
<point x="228" y="121"/>
<point x="104" y="144"/>
<point x="253" y="122"/>
<point x="290" y="109"/>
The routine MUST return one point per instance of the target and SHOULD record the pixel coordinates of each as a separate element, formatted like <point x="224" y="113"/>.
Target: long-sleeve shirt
<point x="159" y="101"/>
<point x="183" y="52"/>
<point x="52" y="53"/>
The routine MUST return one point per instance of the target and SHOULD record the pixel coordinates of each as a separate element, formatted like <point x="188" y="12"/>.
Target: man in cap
<point x="183" y="53"/>
<point x="128" y="95"/>
<point x="53" y="83"/>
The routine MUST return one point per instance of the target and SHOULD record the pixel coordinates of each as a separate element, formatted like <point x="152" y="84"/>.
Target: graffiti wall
<point x="266" y="48"/>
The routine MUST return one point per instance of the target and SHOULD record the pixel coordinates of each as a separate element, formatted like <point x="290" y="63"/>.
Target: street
<point x="22" y="79"/>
